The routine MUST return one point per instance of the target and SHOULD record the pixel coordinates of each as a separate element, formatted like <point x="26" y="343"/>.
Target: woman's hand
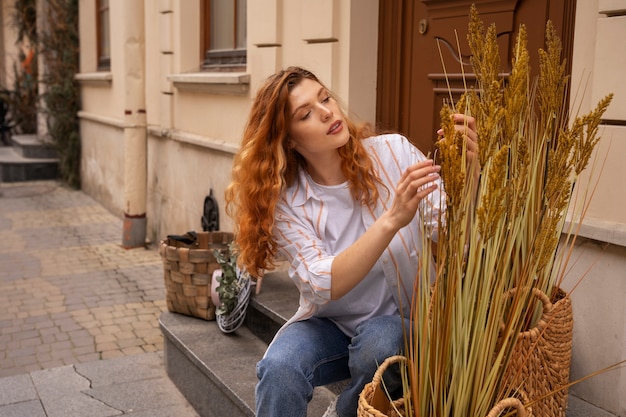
<point x="467" y="126"/>
<point x="351" y="265"/>
<point x="417" y="182"/>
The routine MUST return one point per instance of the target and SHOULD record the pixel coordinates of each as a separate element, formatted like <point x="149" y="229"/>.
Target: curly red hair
<point x="266" y="165"/>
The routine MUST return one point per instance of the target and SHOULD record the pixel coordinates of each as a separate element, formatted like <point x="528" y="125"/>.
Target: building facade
<point x="166" y="86"/>
<point x="161" y="124"/>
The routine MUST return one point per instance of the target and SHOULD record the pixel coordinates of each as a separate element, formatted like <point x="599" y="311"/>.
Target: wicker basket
<point x="541" y="358"/>
<point x="373" y="402"/>
<point x="187" y="270"/>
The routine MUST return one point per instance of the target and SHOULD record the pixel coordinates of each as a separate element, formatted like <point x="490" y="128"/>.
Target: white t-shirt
<point x="371" y="297"/>
<point x="301" y="234"/>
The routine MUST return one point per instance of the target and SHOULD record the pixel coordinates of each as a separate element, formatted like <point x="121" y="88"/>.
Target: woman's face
<point x="316" y="125"/>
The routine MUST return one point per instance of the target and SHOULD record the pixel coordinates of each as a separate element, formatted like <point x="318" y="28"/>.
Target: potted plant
<point x="230" y="291"/>
<point x="498" y="244"/>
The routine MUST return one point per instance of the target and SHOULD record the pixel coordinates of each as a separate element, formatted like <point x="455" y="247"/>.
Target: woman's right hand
<point x="417" y="182"/>
<point x="352" y="264"/>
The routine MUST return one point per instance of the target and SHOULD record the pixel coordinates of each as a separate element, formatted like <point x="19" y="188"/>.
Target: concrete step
<point x="16" y="168"/>
<point x="216" y="372"/>
<point x="273" y="306"/>
<point x="32" y="146"/>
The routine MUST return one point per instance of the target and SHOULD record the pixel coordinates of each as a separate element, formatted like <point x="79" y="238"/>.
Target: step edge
<point x="211" y="372"/>
<point x="8" y="155"/>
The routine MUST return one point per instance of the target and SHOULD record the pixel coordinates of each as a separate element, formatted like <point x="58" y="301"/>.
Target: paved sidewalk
<point x="71" y="297"/>
<point x="134" y="385"/>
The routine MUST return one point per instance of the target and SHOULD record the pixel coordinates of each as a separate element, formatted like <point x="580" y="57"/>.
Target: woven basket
<point x="187" y="270"/>
<point x="373" y="401"/>
<point x="541" y="358"/>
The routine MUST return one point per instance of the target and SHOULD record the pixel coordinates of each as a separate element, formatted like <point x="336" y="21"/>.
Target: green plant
<point x="61" y="96"/>
<point x="230" y="284"/>
<point x="22" y="100"/>
<point x="25" y="21"/>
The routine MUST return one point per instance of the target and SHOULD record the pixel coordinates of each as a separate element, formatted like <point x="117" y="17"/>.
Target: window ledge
<point x="233" y="83"/>
<point x="193" y="139"/>
<point x="600" y="230"/>
<point x="95" y="78"/>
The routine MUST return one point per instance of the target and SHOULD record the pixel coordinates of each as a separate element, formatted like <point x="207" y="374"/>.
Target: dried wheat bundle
<point x="501" y="228"/>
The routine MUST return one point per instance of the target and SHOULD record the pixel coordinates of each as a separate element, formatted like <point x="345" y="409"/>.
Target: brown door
<point x="411" y="82"/>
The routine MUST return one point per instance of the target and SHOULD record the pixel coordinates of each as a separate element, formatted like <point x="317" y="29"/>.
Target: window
<point x="103" y="34"/>
<point x="223" y="35"/>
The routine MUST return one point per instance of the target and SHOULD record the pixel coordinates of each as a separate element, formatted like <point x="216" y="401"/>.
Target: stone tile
<point x="151" y="348"/>
<point x="88" y="357"/>
<point x="132" y="350"/>
<point x="110" y="354"/>
<point x="72" y="297"/>
<point x="105" y="338"/>
<point x="125" y="369"/>
<point x="170" y="411"/>
<point x="9" y="369"/>
<point x="16" y="389"/>
<point x="51" y="364"/>
<point x="129" y="343"/>
<point x="84" y="350"/>
<point x="31" y="408"/>
<point x="147" y="394"/>
<point x="21" y="353"/>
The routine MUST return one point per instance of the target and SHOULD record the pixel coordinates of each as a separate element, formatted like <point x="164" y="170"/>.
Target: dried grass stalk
<point x="465" y="325"/>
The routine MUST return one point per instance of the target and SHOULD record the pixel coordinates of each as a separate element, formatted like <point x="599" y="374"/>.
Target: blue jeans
<point x="315" y="352"/>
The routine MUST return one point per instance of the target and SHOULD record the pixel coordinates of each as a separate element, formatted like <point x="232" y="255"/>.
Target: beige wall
<point x="597" y="276"/>
<point x="102" y="112"/>
<point x="195" y="120"/>
<point x="597" y="71"/>
<point x="598" y="292"/>
<point x="103" y="180"/>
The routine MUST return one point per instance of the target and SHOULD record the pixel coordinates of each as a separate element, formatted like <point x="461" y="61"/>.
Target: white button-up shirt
<point x="301" y="217"/>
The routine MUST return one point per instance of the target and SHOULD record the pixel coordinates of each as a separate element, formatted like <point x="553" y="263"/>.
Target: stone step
<point x="216" y="372"/>
<point x="29" y="158"/>
<point x="273" y="306"/>
<point x="16" y="168"/>
<point x="32" y="146"/>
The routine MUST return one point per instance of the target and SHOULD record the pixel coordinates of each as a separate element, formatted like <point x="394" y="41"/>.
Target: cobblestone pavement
<point x="69" y="293"/>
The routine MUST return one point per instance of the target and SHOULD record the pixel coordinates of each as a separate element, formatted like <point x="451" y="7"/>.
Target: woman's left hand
<point x="467" y="126"/>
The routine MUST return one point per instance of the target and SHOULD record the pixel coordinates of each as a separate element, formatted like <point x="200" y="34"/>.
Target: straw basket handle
<point x="508" y="403"/>
<point x="547" y="309"/>
<point x="379" y="400"/>
<point x="538" y="294"/>
<point x="378" y="375"/>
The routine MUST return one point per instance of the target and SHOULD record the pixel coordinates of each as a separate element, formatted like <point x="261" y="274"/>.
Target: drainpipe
<point x="135" y="134"/>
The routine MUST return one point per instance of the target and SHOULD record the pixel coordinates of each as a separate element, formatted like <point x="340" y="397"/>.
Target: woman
<point x="339" y="203"/>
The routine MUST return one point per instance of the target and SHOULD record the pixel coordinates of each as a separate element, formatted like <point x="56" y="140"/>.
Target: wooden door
<point x="411" y="82"/>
